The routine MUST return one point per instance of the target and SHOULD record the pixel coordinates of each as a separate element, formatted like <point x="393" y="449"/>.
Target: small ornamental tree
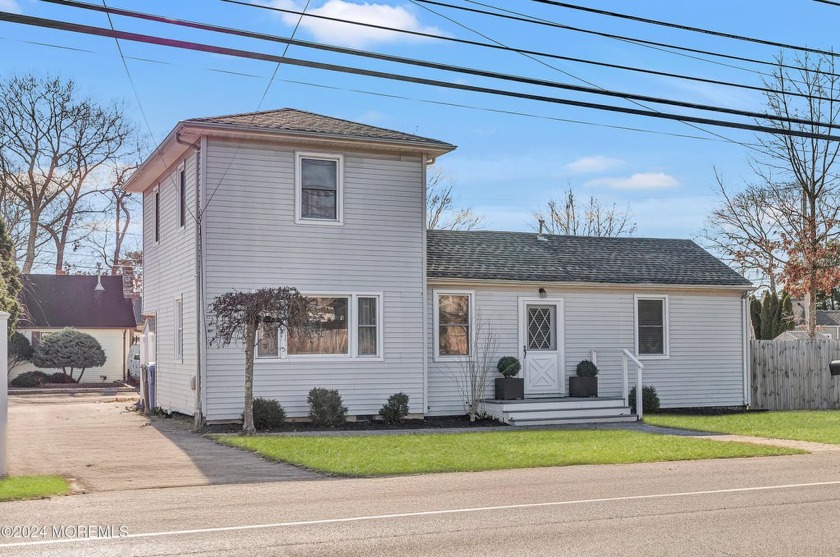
<point x="19" y="350"/>
<point x="69" y="350"/>
<point x="236" y="317"/>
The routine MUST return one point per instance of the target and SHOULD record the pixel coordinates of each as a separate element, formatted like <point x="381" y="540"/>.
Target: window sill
<point x="319" y="222"/>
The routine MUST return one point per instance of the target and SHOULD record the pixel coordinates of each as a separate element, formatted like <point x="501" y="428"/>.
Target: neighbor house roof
<point x="830" y="318"/>
<point x="522" y="256"/>
<point x="52" y="301"/>
<point x="801" y="335"/>
<point x="297" y="128"/>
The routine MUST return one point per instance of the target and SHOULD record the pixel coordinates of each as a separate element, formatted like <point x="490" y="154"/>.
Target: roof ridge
<point x="534" y="232"/>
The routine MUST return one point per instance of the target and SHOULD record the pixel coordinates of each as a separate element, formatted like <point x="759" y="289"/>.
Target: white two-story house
<point x="337" y="210"/>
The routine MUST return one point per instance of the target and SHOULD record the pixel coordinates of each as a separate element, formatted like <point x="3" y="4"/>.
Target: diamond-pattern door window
<point x="540" y="328"/>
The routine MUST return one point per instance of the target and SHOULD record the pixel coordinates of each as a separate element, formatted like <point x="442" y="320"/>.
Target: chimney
<point x="540" y="235"/>
<point x="128" y="281"/>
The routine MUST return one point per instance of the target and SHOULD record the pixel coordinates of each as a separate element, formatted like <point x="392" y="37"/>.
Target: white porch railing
<point x="625" y="356"/>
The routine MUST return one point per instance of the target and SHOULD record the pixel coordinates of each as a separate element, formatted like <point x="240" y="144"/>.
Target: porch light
<point x="543" y="293"/>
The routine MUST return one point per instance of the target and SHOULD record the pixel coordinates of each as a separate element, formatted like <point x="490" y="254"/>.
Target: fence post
<point x="4" y="395"/>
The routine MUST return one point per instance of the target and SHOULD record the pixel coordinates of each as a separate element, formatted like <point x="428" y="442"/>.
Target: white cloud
<point x="10" y="6"/>
<point x="355" y="36"/>
<point x="591" y="165"/>
<point x="639" y="181"/>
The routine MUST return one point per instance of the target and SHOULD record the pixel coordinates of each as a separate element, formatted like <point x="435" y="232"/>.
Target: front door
<point x="541" y="339"/>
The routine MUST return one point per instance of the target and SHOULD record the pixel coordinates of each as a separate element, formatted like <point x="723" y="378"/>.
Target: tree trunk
<point x="248" y="414"/>
<point x="29" y="260"/>
<point x="79" y="380"/>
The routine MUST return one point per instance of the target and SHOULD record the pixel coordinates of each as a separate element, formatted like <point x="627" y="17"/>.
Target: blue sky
<point x="506" y="166"/>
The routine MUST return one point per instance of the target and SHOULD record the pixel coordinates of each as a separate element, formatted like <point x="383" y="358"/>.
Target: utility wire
<point x="682" y="27"/>
<point x="518" y="16"/>
<point x="202" y="47"/>
<point x="591" y="89"/>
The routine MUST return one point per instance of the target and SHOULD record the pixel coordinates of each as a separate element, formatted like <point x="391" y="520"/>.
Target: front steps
<point x="559" y="411"/>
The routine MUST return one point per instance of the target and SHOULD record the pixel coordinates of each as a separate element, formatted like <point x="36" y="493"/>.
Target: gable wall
<point x="252" y="241"/>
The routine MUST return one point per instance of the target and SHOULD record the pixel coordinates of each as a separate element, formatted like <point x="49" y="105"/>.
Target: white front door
<point x="541" y="340"/>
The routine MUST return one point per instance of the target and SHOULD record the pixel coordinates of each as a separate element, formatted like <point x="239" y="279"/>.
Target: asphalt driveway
<point x="101" y="446"/>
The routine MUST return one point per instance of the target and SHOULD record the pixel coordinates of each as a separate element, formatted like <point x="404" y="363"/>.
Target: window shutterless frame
<point x="156" y="214"/>
<point x="300" y="216"/>
<point x="181" y="192"/>
<point x="179" y="328"/>
<point x="437" y="294"/>
<point x="666" y="348"/>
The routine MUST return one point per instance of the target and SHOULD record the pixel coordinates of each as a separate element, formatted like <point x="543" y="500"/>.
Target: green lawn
<point x="32" y="487"/>
<point x="821" y="426"/>
<point x="377" y="455"/>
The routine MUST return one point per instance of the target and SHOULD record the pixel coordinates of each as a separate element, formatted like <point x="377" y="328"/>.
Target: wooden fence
<point x="793" y="374"/>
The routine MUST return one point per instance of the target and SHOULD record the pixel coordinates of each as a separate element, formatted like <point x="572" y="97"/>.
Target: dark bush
<point x="30" y="379"/>
<point x="650" y="400"/>
<point x="325" y="407"/>
<point x="396" y="409"/>
<point x="268" y="414"/>
<point x="60" y="378"/>
<point x="586" y="369"/>
<point x="509" y="366"/>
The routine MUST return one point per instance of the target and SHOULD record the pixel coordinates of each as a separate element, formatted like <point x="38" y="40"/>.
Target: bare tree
<point x="745" y="230"/>
<point x="568" y="217"/>
<point x="800" y="174"/>
<point x="474" y="370"/>
<point x="52" y="141"/>
<point x="440" y="211"/>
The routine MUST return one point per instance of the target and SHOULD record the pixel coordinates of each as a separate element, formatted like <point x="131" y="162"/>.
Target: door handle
<point x="524" y="351"/>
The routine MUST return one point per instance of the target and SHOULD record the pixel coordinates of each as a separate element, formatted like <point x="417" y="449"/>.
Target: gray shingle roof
<point x="299" y="121"/>
<point x="520" y="256"/>
<point x="828" y="317"/>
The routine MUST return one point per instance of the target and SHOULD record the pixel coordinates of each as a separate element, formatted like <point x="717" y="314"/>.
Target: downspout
<point x="424" y="164"/>
<point x="124" y="358"/>
<point x="198" y="418"/>
<point x="201" y="309"/>
<point x="745" y="332"/>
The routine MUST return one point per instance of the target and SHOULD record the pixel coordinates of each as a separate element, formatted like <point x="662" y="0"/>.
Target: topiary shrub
<point x="60" y="378"/>
<point x="650" y="400"/>
<point x="586" y="368"/>
<point x="325" y="407"/>
<point x="509" y="366"/>
<point x="268" y="414"/>
<point x="69" y="350"/>
<point x="29" y="380"/>
<point x="19" y="350"/>
<point x="395" y="410"/>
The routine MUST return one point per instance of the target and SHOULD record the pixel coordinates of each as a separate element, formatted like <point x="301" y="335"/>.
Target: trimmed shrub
<point x="19" y="350"/>
<point x="60" y="378"/>
<point x="586" y="368"/>
<point x="396" y="409"/>
<point x="509" y="366"/>
<point x="30" y="379"/>
<point x="650" y="400"/>
<point x="69" y="350"/>
<point x="326" y="408"/>
<point x="268" y="414"/>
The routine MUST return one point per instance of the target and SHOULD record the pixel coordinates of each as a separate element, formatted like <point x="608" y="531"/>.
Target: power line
<point x="518" y="16"/>
<point x="682" y="27"/>
<point x="201" y="47"/>
<point x="592" y="89"/>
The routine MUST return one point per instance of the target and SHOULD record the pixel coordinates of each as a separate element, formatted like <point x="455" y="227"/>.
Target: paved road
<point x="763" y="506"/>
<point x="100" y="445"/>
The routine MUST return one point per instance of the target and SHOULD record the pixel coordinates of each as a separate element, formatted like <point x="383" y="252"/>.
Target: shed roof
<point x="522" y="256"/>
<point x="56" y="301"/>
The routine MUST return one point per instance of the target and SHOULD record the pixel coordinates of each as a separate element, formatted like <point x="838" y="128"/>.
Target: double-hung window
<point x="348" y="325"/>
<point x="319" y="188"/>
<point x="453" y="324"/>
<point x="652" y="326"/>
<point x="157" y="214"/>
<point x="182" y="197"/>
<point x="179" y="329"/>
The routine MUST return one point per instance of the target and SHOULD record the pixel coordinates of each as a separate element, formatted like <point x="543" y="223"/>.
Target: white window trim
<point x="436" y="323"/>
<point x="156" y="231"/>
<point x="179" y="328"/>
<point x="666" y="334"/>
<point x="339" y="194"/>
<point x="181" y="168"/>
<point x="352" y="333"/>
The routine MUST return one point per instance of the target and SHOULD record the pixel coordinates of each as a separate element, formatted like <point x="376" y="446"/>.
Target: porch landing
<point x="559" y="410"/>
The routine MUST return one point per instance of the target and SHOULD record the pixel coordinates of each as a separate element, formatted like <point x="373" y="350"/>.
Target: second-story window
<point x="182" y="198"/>
<point x="157" y="214"/>
<point x="319" y="188"/>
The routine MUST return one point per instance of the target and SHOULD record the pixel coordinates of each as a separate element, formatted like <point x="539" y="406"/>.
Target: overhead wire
<point x="202" y="47"/>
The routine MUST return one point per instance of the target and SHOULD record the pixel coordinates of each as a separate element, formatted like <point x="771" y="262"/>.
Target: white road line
<point x="246" y="527"/>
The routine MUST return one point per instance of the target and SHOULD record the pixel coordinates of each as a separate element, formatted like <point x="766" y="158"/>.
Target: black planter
<point x="510" y="388"/>
<point x="582" y="387"/>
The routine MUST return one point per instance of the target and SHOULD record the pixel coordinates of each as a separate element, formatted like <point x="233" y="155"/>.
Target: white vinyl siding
<point x="705" y="367"/>
<point x="253" y="240"/>
<point x="169" y="273"/>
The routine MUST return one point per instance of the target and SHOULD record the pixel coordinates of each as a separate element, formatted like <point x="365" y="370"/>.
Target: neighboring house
<point x="94" y="305"/>
<point x="828" y="321"/>
<point x="801" y="335"/>
<point x="337" y="209"/>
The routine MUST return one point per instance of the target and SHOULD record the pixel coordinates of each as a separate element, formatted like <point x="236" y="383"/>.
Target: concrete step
<point x="567" y="413"/>
<point x="571" y="403"/>
<point x="545" y="422"/>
